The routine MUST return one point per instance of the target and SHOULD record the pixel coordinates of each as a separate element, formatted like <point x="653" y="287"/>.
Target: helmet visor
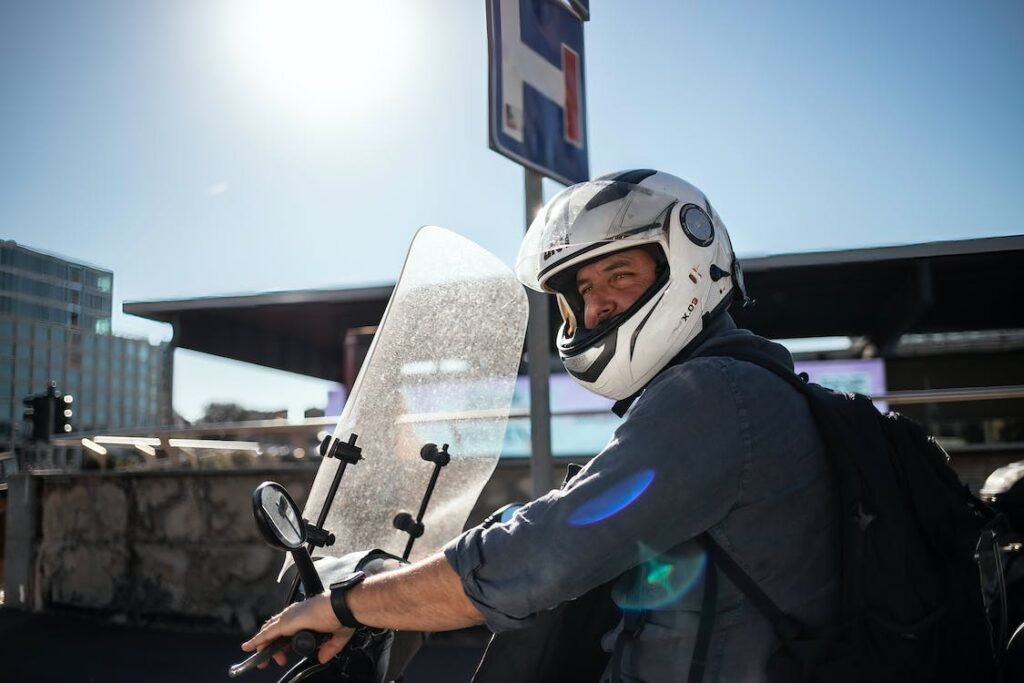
<point x="588" y="219"/>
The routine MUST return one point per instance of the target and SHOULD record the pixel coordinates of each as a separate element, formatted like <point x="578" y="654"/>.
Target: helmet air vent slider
<point x="717" y="273"/>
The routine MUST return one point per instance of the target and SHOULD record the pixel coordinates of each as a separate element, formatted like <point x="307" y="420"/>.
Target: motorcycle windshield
<point x="441" y="368"/>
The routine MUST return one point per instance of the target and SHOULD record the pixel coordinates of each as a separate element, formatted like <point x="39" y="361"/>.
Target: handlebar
<point x="304" y="643"/>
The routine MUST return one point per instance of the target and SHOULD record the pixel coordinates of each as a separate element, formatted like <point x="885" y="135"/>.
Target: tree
<point x="219" y="413"/>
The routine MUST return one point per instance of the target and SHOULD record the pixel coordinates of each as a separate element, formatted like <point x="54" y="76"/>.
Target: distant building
<point x="55" y="326"/>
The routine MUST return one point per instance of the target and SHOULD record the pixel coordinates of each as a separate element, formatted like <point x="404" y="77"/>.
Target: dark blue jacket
<point x="712" y="444"/>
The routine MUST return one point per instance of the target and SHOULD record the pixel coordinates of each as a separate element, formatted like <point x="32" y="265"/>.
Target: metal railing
<point x="192" y="444"/>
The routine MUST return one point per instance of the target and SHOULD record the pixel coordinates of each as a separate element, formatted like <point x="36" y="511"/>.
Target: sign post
<point x="538" y="362"/>
<point x="537" y="118"/>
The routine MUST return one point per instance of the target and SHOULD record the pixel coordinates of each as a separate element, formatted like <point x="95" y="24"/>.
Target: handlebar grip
<point x="304" y="643"/>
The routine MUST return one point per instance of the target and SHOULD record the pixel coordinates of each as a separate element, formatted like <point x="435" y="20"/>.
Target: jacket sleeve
<point x="673" y="468"/>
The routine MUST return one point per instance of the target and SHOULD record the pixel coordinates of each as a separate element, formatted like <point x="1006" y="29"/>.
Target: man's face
<point x="612" y="284"/>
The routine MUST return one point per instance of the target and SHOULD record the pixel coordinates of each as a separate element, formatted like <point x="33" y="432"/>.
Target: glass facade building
<point x="55" y="326"/>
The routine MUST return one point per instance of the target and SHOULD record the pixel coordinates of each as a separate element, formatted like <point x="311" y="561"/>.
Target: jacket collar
<point x="717" y="325"/>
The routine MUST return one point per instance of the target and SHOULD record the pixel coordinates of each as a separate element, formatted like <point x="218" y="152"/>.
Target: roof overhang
<point x="879" y="293"/>
<point x="297" y="331"/>
<point x="885" y="292"/>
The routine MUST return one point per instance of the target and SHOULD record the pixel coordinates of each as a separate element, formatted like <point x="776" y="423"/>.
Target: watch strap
<point x="338" y="604"/>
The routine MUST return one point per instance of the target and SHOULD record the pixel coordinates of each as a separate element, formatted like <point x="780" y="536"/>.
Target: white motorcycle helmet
<point x="697" y="273"/>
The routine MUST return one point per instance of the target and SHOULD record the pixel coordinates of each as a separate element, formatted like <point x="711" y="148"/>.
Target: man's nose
<point x="603" y="307"/>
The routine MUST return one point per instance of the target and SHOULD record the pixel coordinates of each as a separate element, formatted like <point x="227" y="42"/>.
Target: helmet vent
<point x="634" y="176"/>
<point x="717" y="273"/>
<point x="610" y="193"/>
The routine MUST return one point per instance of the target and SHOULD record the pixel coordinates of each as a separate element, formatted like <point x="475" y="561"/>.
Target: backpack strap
<point x="806" y="652"/>
<point x="787" y="628"/>
<point x="632" y="622"/>
<point x="708" y="612"/>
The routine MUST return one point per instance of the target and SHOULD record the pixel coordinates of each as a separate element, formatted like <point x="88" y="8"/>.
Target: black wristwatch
<point x="338" y="590"/>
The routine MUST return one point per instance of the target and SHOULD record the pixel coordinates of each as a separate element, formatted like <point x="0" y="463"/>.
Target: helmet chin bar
<point x="588" y="365"/>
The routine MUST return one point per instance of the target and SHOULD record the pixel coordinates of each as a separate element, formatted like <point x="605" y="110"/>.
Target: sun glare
<point x="326" y="60"/>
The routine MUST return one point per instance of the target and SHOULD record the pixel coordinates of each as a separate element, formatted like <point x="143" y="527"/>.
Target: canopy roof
<point x="880" y="293"/>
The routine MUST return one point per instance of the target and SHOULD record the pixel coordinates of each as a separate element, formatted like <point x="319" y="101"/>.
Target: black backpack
<point x="921" y="595"/>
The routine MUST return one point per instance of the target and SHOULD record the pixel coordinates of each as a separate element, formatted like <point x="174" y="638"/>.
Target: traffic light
<point x="62" y="419"/>
<point x="39" y="409"/>
<point x="50" y="413"/>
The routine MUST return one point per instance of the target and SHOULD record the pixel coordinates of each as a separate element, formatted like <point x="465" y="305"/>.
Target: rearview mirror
<point x="278" y="517"/>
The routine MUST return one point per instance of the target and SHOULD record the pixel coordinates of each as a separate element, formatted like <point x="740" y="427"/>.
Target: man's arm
<point x="425" y="596"/>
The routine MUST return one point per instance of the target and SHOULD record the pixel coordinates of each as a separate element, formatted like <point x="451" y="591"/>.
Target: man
<point x="643" y="272"/>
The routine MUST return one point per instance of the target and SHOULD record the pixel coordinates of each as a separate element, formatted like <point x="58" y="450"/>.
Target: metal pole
<point x="538" y="340"/>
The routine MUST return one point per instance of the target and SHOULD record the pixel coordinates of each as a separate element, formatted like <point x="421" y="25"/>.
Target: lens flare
<point x="612" y="501"/>
<point x="660" y="579"/>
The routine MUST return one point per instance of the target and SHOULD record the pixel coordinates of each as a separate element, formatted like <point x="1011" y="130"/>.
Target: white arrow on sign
<point x="521" y="64"/>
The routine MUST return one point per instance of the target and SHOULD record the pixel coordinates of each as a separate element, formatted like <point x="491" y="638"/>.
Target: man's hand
<point x="314" y="614"/>
<point x="424" y="596"/>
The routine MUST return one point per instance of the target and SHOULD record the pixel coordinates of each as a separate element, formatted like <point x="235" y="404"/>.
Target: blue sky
<point x="200" y="147"/>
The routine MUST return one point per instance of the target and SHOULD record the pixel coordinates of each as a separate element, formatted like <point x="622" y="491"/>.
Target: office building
<point x="55" y="326"/>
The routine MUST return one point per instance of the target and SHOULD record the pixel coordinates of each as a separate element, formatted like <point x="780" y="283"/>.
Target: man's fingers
<point x="267" y="634"/>
<point x="334" y="645"/>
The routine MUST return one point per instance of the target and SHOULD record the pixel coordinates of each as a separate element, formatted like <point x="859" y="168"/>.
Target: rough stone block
<point x="85" y="509"/>
<point x="95" y="576"/>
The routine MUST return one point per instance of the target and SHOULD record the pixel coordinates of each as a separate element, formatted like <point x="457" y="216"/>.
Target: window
<point x="103" y="326"/>
<point x="103" y="283"/>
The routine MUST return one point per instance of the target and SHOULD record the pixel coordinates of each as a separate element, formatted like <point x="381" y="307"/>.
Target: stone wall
<point x="181" y="548"/>
<point x="147" y="547"/>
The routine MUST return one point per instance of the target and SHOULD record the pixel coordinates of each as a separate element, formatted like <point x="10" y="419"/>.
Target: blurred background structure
<point x="55" y="326"/>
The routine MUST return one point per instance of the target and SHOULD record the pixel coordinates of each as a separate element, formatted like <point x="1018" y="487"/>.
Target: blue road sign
<point x="537" y="102"/>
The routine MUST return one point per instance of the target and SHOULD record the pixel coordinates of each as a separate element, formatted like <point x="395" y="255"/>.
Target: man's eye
<point x="586" y="290"/>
